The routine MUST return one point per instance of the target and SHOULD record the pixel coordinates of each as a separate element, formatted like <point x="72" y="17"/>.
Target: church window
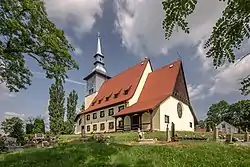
<point x="179" y="110"/>
<point x="166" y="119"/>
<point x="80" y="121"/>
<point x="120" y="124"/>
<point x="120" y="108"/>
<point x="223" y="126"/>
<point x="111" y="111"/>
<point x="88" y="117"/>
<point x="88" y="128"/>
<point x="102" y="126"/>
<point x="102" y="114"/>
<point x="95" y="127"/>
<point x="111" y="125"/>
<point x="94" y="115"/>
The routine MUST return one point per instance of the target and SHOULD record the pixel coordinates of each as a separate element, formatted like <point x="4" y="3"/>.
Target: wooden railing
<point x="143" y="126"/>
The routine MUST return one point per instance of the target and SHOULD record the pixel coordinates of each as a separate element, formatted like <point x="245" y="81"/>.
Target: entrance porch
<point x="142" y="120"/>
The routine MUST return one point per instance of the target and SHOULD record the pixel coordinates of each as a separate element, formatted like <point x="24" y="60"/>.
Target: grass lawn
<point x="92" y="154"/>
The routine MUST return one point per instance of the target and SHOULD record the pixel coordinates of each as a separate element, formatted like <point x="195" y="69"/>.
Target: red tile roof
<point x="159" y="85"/>
<point x="127" y="80"/>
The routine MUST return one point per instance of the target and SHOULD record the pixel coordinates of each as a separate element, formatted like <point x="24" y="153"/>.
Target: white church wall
<point x="98" y="121"/>
<point x="89" y="99"/>
<point x="169" y="107"/>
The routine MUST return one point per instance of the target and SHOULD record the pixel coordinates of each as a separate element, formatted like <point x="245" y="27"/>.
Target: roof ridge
<point x="105" y="82"/>
<point x="167" y="65"/>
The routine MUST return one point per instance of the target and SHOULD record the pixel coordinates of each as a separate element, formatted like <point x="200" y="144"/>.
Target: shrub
<point x="2" y="145"/>
<point x="101" y="138"/>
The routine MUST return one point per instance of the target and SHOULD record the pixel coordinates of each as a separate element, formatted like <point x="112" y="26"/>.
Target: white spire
<point x="99" y="48"/>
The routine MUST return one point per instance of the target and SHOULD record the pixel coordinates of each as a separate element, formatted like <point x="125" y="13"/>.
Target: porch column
<point x="131" y="121"/>
<point x="115" y="123"/>
<point x="140" y="120"/>
<point x="123" y="123"/>
<point x="151" y="120"/>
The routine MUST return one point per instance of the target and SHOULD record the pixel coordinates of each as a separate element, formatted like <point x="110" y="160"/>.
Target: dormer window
<point x="99" y="101"/>
<point x="107" y="97"/>
<point x="93" y="103"/>
<point x="126" y="92"/>
<point x="116" y="95"/>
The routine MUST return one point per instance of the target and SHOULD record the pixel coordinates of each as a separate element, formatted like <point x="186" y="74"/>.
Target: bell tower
<point x="98" y="75"/>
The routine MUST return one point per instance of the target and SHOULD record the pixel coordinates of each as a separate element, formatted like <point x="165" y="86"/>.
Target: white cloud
<point x="196" y="92"/>
<point x="225" y="81"/>
<point x="228" y="78"/>
<point x="140" y="24"/>
<point x="42" y="75"/>
<point x="82" y="13"/>
<point x="5" y="93"/>
<point x="8" y="115"/>
<point x="74" y="82"/>
<point x="206" y="62"/>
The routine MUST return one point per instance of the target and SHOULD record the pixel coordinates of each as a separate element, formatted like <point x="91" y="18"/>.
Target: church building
<point x="138" y="97"/>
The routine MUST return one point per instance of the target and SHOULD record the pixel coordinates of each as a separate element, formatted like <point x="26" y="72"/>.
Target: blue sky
<point x="131" y="30"/>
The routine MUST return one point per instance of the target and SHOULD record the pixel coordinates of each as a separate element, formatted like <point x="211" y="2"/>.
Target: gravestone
<point x="173" y="136"/>
<point x="229" y="138"/>
<point x="172" y="129"/>
<point x="246" y="136"/>
<point x="215" y="134"/>
<point x="39" y="136"/>
<point x="167" y="134"/>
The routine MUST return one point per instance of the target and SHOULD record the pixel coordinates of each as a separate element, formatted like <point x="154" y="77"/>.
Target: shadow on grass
<point x="89" y="154"/>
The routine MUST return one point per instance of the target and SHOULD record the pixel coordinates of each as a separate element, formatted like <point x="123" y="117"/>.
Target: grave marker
<point x="246" y="136"/>
<point x="167" y="134"/>
<point x="215" y="135"/>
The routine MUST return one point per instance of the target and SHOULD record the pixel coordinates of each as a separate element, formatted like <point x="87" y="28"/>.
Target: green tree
<point x="29" y="125"/>
<point x="71" y="111"/>
<point x="26" y="32"/>
<point x="39" y="125"/>
<point x="201" y="124"/>
<point x="14" y="128"/>
<point x="56" y="107"/>
<point x="216" y="113"/>
<point x="240" y="114"/>
<point x="228" y="33"/>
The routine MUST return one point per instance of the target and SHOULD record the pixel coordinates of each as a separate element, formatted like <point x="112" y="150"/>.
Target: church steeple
<point x="99" y="47"/>
<point x="99" y="62"/>
<point x="98" y="75"/>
